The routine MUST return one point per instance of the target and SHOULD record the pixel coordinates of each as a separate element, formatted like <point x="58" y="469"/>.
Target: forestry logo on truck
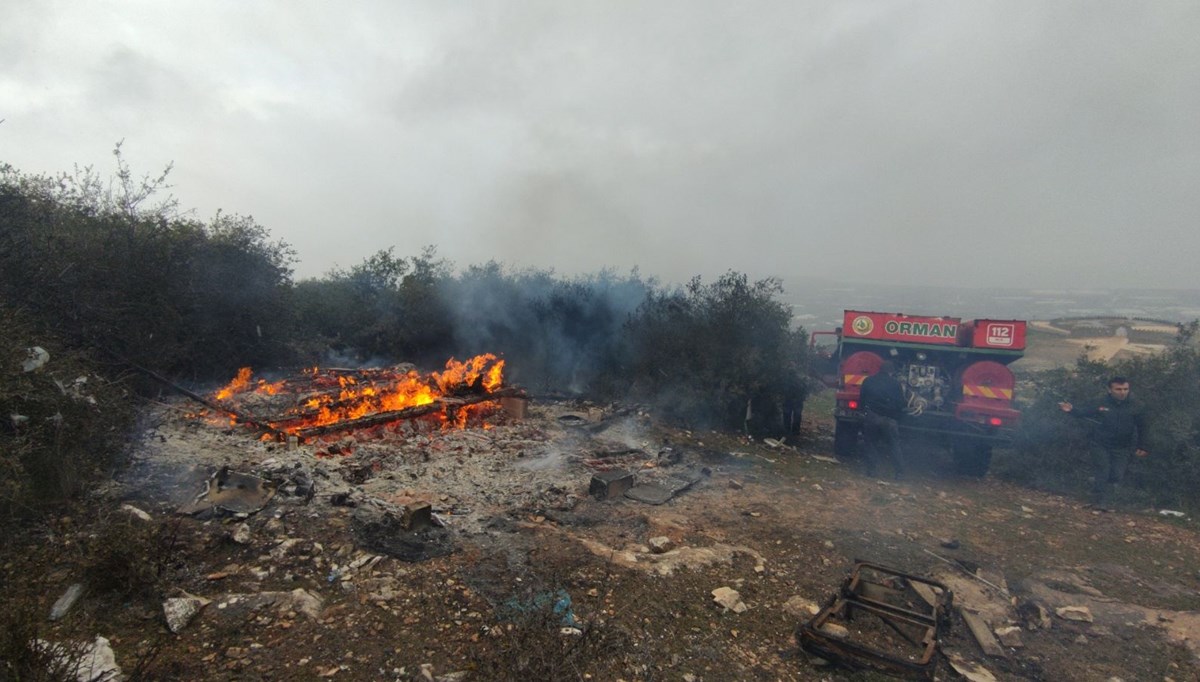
<point x="933" y="330"/>
<point x="862" y="325"/>
<point x="1000" y="334"/>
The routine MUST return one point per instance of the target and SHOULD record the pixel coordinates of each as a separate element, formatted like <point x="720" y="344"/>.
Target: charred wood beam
<point x="406" y="413"/>
<point x="283" y="420"/>
<point x="239" y="416"/>
<point x="333" y="404"/>
<point x="325" y="382"/>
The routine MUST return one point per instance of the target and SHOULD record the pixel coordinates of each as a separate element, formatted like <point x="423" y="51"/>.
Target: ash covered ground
<point x="525" y="575"/>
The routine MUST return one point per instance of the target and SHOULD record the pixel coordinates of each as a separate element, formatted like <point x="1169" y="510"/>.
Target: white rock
<point x="35" y="358"/>
<point x="730" y="599"/>
<point x="835" y="630"/>
<point x="1077" y="613"/>
<point x="180" y="611"/>
<point x="1010" y="636"/>
<point x="970" y="670"/>
<point x="66" y="601"/>
<point x="134" y="511"/>
<point x="660" y="544"/>
<point x="801" y="607"/>
<point x="241" y="534"/>
<point x="93" y="662"/>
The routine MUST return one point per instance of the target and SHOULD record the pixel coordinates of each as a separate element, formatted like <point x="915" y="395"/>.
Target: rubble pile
<point x="461" y="479"/>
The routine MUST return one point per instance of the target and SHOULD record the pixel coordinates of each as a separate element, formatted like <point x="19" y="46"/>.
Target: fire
<point x="239" y="384"/>
<point x="334" y="396"/>
<point x="485" y="370"/>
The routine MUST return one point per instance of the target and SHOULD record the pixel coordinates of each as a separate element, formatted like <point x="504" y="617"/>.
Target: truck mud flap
<point x="881" y="618"/>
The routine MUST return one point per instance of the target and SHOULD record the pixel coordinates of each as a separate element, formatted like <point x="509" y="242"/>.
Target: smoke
<point x="556" y="334"/>
<point x="547" y="460"/>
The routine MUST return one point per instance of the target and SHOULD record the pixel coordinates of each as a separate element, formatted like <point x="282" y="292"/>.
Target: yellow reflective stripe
<point x="987" y="392"/>
<point x="854" y="379"/>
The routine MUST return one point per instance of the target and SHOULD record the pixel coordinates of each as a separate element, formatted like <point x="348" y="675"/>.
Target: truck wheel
<point x="972" y="459"/>
<point x="845" y="438"/>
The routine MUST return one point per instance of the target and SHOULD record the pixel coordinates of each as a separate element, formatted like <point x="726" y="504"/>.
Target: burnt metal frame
<point x="853" y="596"/>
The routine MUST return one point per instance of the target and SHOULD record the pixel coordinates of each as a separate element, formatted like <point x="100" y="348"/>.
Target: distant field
<point x="1046" y="350"/>
<point x="1049" y="345"/>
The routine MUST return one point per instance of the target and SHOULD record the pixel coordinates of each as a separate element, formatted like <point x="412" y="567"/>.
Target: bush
<point x="719" y="355"/>
<point x="62" y="423"/>
<point x="163" y="290"/>
<point x="95" y="274"/>
<point x="25" y="656"/>
<point x="387" y="308"/>
<point x="1051" y="450"/>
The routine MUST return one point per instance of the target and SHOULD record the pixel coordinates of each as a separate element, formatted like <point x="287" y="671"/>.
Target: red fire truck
<point x="954" y="374"/>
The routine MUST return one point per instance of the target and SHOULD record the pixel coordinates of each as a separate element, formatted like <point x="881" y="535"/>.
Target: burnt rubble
<point x="415" y="485"/>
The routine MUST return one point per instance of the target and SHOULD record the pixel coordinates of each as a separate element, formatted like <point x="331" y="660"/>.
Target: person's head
<point x="1118" y="388"/>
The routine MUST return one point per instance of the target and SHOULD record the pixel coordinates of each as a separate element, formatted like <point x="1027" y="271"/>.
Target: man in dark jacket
<point x="883" y="405"/>
<point x="1118" y="431"/>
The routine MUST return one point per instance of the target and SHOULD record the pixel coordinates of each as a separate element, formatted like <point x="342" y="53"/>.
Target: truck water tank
<point x="987" y="379"/>
<point x="858" y="366"/>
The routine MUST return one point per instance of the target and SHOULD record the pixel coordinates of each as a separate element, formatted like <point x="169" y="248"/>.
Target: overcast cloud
<point x="1024" y="143"/>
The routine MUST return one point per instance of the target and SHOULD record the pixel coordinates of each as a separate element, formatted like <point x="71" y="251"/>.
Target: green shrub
<point x="386" y="308"/>
<point x="62" y="423"/>
<point x="719" y="355"/>
<point x="186" y="298"/>
<point x="1052" y="452"/>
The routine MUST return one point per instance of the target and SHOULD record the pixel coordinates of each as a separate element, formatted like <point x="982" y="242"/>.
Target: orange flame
<point x="468" y="373"/>
<point x="345" y="397"/>
<point x="239" y="384"/>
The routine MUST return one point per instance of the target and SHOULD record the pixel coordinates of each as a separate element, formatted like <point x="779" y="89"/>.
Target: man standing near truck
<point x="883" y="404"/>
<point x="1118" y="432"/>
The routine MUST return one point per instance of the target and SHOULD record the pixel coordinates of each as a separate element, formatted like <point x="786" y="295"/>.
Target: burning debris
<point x="418" y="461"/>
<point x="329" y="401"/>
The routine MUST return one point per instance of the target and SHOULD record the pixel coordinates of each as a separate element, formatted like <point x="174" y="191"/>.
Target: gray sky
<point x="1023" y="143"/>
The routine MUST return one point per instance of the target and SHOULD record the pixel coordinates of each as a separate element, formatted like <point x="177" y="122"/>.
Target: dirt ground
<point x="532" y="578"/>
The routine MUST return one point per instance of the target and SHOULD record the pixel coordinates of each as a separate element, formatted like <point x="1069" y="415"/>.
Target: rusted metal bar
<point x="858" y="595"/>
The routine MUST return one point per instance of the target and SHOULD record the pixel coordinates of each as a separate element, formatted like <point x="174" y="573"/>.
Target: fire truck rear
<point x="954" y="374"/>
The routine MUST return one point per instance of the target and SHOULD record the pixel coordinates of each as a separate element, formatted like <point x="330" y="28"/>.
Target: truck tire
<point x="972" y="458"/>
<point x="845" y="438"/>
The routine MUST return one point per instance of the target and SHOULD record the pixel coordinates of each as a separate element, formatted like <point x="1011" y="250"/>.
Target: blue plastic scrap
<point x="561" y="606"/>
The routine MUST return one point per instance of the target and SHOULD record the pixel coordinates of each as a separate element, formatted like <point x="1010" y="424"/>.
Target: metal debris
<point x="231" y="492"/>
<point x="856" y="627"/>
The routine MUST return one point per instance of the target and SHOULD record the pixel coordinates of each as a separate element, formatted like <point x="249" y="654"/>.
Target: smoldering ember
<point x="391" y="524"/>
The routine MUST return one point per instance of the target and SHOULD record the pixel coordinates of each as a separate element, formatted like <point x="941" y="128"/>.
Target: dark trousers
<point x="1108" y="470"/>
<point x="882" y="436"/>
